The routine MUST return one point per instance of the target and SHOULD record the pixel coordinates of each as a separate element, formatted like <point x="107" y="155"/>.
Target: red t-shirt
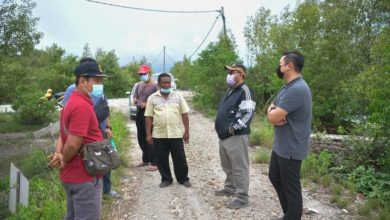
<point x="79" y="119"/>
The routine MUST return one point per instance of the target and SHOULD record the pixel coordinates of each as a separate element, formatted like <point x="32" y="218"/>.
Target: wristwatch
<point x="108" y="127"/>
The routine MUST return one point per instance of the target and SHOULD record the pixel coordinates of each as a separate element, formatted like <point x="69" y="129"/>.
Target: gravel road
<point x="143" y="199"/>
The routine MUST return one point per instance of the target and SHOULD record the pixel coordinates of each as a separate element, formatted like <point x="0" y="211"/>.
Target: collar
<point x="293" y="81"/>
<point x="83" y="96"/>
<point x="159" y="93"/>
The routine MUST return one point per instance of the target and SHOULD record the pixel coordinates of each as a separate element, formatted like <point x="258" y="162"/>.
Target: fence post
<point x="18" y="193"/>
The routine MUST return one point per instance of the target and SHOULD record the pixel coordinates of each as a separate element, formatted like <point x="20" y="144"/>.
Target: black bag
<point x="100" y="157"/>
<point x="101" y="109"/>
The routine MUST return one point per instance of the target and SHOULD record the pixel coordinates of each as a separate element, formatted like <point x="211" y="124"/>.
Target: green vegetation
<point x="347" y="68"/>
<point x="10" y="124"/>
<point x="47" y="197"/>
<point x="347" y="53"/>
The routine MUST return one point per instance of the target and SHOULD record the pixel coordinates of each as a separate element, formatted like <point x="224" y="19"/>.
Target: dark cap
<point x="89" y="69"/>
<point x="237" y="67"/>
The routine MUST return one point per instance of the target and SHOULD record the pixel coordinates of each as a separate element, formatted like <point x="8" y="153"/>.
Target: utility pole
<point x="164" y="60"/>
<point x="223" y="20"/>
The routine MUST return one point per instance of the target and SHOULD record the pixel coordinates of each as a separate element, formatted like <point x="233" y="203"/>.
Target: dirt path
<point x="143" y="199"/>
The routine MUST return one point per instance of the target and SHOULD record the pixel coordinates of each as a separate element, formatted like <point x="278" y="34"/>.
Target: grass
<point x="262" y="132"/>
<point x="9" y="124"/>
<point x="47" y="198"/>
<point x="262" y="155"/>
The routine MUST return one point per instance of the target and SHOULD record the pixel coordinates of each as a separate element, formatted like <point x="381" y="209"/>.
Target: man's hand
<point x="149" y="139"/>
<point x="109" y="133"/>
<point x="143" y="105"/>
<point x="56" y="160"/>
<point x="186" y="137"/>
<point x="281" y="123"/>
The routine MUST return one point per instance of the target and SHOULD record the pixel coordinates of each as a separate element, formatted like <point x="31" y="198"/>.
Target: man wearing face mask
<point x="145" y="88"/>
<point x="232" y="124"/>
<point x="165" y="111"/>
<point x="78" y="126"/>
<point x="290" y="113"/>
<point x="102" y="112"/>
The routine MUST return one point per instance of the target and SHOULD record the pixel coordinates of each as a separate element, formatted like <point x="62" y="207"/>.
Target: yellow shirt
<point x="166" y="113"/>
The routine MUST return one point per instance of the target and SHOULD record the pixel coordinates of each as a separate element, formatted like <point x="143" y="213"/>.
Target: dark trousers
<point x="175" y="146"/>
<point x="284" y="175"/>
<point x="107" y="183"/>
<point x="147" y="149"/>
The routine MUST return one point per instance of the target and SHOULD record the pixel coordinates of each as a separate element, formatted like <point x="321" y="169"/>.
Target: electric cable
<point x="153" y="10"/>
<point x="204" y="39"/>
<point x="155" y="59"/>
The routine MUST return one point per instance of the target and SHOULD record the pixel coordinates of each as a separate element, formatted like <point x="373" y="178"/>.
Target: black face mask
<point x="279" y="73"/>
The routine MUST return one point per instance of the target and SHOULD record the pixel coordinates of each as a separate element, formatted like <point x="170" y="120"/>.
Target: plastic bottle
<point x="113" y="144"/>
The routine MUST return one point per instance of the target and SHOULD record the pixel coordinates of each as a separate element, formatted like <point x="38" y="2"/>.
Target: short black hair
<point x="296" y="58"/>
<point x="163" y="75"/>
<point x="87" y="59"/>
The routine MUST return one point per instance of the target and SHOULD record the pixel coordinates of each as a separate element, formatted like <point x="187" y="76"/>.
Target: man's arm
<point x="55" y="158"/>
<point x="108" y="128"/>
<point x="246" y="108"/>
<point x="276" y="116"/>
<point x="71" y="148"/>
<point x="186" y="122"/>
<point x="148" y="128"/>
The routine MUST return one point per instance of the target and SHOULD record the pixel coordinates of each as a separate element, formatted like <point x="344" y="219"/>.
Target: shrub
<point x="262" y="133"/>
<point x="262" y="155"/>
<point x="31" y="108"/>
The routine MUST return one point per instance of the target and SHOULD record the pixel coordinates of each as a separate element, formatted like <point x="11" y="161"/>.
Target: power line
<point x="154" y="10"/>
<point x="204" y="39"/>
<point x="166" y="54"/>
<point x="157" y="56"/>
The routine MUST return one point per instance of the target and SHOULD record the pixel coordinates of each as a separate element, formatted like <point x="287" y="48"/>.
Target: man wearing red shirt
<point x="79" y="126"/>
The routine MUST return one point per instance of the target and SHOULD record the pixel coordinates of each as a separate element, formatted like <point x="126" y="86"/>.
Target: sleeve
<point x="135" y="94"/>
<point x="246" y="110"/>
<point x="80" y="121"/>
<point x="292" y="100"/>
<point x="149" y="107"/>
<point x="67" y="94"/>
<point x="183" y="105"/>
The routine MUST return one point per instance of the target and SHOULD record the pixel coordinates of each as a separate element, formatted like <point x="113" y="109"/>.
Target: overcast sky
<point x="133" y="33"/>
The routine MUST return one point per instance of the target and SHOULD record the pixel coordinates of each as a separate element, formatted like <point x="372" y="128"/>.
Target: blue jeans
<point x="107" y="183"/>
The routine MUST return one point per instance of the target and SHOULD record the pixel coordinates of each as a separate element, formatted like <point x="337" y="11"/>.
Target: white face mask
<point x="230" y="80"/>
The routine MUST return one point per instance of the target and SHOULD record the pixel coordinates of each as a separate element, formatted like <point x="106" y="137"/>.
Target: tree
<point x="18" y="34"/>
<point x="86" y="51"/>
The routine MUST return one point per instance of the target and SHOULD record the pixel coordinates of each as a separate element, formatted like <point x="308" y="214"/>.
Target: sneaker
<point x="186" y="184"/>
<point x="152" y="168"/>
<point x="165" y="184"/>
<point x="142" y="164"/>
<point x="237" y="204"/>
<point x="115" y="195"/>
<point x="223" y="192"/>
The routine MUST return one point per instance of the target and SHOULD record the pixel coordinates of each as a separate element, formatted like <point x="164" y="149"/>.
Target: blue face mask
<point x="144" y="77"/>
<point x="166" y="91"/>
<point x="97" y="90"/>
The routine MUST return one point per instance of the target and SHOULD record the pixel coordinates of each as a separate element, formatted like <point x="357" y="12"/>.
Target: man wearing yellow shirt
<point x="166" y="111"/>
